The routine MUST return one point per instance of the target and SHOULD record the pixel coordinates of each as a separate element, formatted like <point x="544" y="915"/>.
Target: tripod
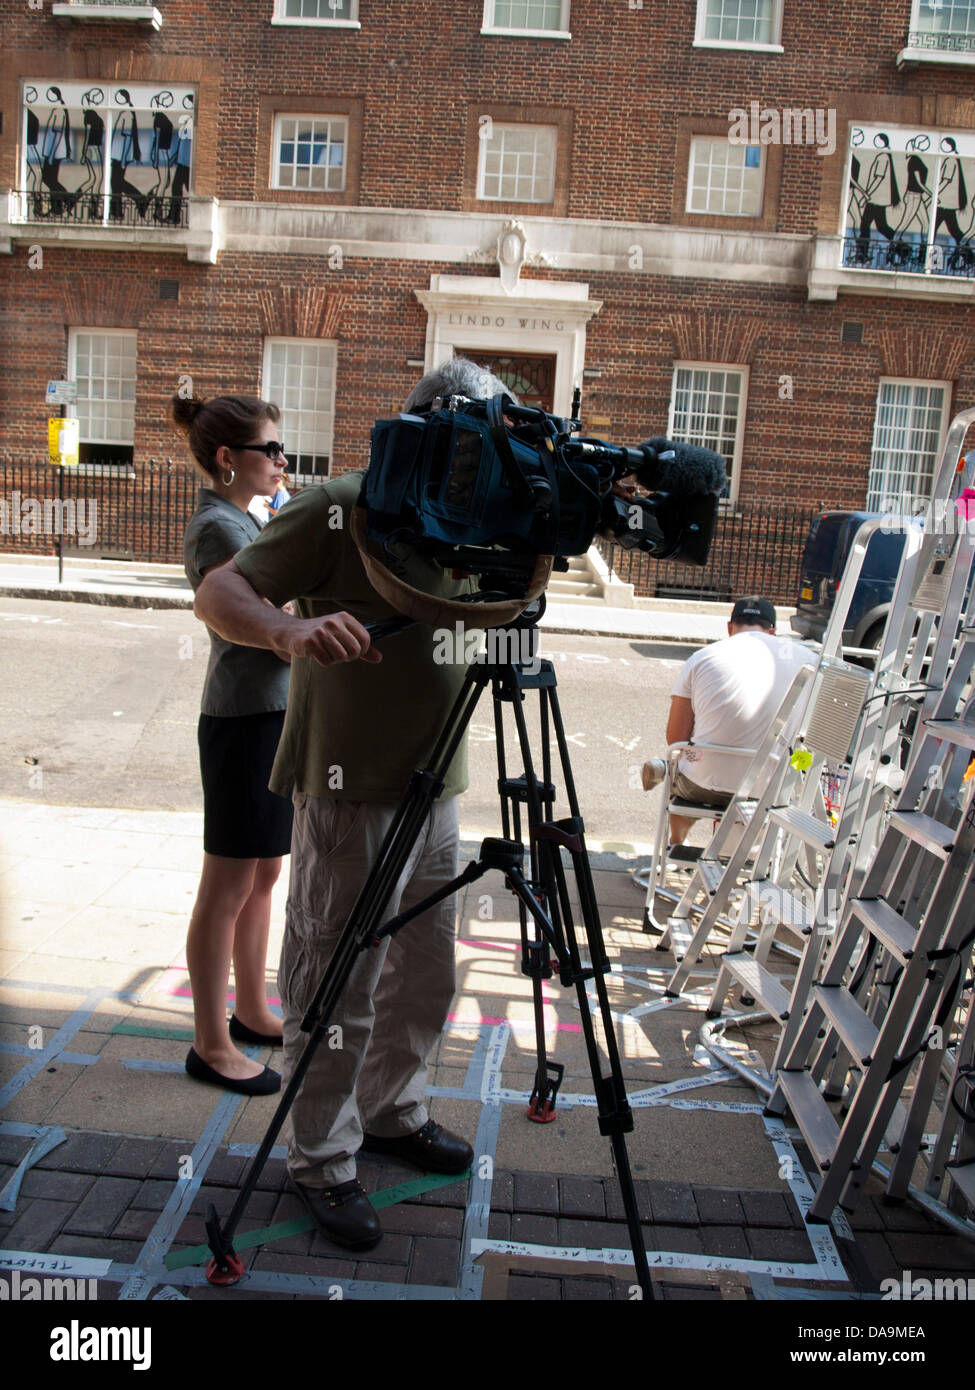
<point x="543" y="898"/>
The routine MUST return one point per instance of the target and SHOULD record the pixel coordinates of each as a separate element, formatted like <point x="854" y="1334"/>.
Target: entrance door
<point x="531" y="376"/>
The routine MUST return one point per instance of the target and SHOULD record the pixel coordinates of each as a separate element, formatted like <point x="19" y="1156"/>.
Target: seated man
<point x="727" y="693"/>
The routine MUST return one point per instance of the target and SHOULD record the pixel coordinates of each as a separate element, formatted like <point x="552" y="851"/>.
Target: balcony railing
<point x="944" y="43"/>
<point x="143" y="11"/>
<point x="77" y="209"/>
<point x="909" y="257"/>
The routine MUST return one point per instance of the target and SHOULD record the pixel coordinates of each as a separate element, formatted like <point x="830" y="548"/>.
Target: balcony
<point x="146" y="223"/>
<point x="929" y="42"/>
<point x="897" y="269"/>
<point x="138" y="10"/>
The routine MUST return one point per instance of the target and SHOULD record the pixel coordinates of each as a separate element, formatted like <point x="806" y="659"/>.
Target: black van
<point x="828" y="546"/>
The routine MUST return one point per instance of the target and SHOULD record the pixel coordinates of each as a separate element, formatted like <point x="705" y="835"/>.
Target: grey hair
<point x="458" y="377"/>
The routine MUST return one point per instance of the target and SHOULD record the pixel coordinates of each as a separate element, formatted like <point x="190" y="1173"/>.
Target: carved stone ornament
<point x="511" y="253"/>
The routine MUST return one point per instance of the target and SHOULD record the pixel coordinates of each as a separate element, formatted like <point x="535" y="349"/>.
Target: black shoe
<point x="241" y="1033"/>
<point x="432" y="1148"/>
<point x="264" y="1084"/>
<point x="343" y="1214"/>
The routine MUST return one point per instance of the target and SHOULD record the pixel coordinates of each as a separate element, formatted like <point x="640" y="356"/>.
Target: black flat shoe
<point x="241" y="1033"/>
<point x="343" y="1214"/>
<point x="432" y="1148"/>
<point x="264" y="1084"/>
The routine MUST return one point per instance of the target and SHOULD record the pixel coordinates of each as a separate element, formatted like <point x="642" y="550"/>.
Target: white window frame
<point x="488" y="25"/>
<point x="279" y="17"/>
<point x="917" y="9"/>
<point x="482" y="157"/>
<point x="287" y="433"/>
<point x="86" y="437"/>
<point x="280" y="116"/>
<point x="890" y="500"/>
<point x="707" y="212"/>
<point x="735" y="462"/>
<point x="773" y="46"/>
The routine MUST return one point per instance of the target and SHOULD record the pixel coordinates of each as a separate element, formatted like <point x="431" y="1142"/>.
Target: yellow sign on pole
<point x="62" y="442"/>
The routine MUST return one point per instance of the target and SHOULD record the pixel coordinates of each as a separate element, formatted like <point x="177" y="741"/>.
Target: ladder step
<point x="790" y="909"/>
<point x="712" y="872"/>
<point x="880" y="919"/>
<point x="952" y="731"/>
<point x="925" y="831"/>
<point x="814" y="832"/>
<point x="854" y="1027"/>
<point x="758" y="982"/>
<point x="811" y="1114"/>
<point x="964" y="1179"/>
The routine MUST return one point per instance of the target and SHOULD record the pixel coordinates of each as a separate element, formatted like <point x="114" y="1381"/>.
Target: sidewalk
<point x="128" y="584"/>
<point x="110" y="1154"/>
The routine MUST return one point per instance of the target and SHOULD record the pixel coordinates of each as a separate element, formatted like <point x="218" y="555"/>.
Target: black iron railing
<point x="757" y="549"/>
<point x="92" y="209"/>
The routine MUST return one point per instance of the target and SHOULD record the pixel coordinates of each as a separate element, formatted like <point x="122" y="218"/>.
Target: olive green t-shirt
<point x="357" y="730"/>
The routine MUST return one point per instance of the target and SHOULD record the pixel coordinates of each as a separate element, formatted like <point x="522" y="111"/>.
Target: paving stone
<point x="877" y="1257"/>
<point x="614" y="1200"/>
<point x="435" y="1261"/>
<point x="37" y="1223"/>
<point x="536" y="1192"/>
<point x="593" y="1235"/>
<point x="374" y="1273"/>
<point x="584" y="1197"/>
<point x="95" y="1248"/>
<point x="274" y="1177"/>
<point x="534" y="1230"/>
<point x="100" y="1209"/>
<point x="62" y="1187"/>
<point x="13" y="1147"/>
<point x="260" y="1205"/>
<point x="499" y="1226"/>
<point x="524" y="1288"/>
<point x="420" y="1220"/>
<point x="770" y="1209"/>
<point x="152" y="1195"/>
<point x="134" y="1158"/>
<point x="226" y="1170"/>
<point x="82" y="1153"/>
<point x="676" y="1293"/>
<point x="917" y="1252"/>
<point x="134" y="1225"/>
<point x="273" y="1261"/>
<point x="902" y="1216"/>
<point x="682" y="1239"/>
<point x="726" y="1241"/>
<point x="791" y="1247"/>
<point x="867" y="1218"/>
<point x="502" y="1192"/>
<point x="450" y="1195"/>
<point x="167" y="1162"/>
<point x="719" y="1206"/>
<point x="672" y="1203"/>
<point x="574" y="1290"/>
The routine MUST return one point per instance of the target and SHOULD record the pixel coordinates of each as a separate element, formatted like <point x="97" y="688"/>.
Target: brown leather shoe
<point x="432" y="1148"/>
<point x="343" y="1214"/>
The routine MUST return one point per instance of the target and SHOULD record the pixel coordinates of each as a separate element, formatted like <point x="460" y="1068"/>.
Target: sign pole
<point x="64" y="409"/>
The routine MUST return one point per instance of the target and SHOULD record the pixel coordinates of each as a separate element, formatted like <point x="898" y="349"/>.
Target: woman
<point x="246" y="828"/>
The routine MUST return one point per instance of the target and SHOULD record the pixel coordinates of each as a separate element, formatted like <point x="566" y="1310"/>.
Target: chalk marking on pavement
<point x="41" y="1146"/>
<point x="73" y="1024"/>
<point x="54" y="1264"/>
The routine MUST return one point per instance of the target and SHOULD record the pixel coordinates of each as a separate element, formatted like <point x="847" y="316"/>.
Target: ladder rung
<point x="811" y="1114"/>
<point x="712" y="872"/>
<point x="924" y="830"/>
<point x="964" y="1179"/>
<point x="790" y="909"/>
<point x="758" y="982"/>
<point x="854" y="1027"/>
<point x="880" y="919"/>
<point x="952" y="731"/>
<point x="806" y="827"/>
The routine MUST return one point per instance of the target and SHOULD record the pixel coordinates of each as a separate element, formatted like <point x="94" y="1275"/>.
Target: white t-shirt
<point x="735" y="688"/>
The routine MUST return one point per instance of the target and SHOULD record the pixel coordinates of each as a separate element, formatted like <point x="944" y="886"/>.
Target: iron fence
<point x="110" y="510"/>
<point x="756" y="549"/>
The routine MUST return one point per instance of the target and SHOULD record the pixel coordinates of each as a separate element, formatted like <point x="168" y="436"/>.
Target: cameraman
<point x="359" y="721"/>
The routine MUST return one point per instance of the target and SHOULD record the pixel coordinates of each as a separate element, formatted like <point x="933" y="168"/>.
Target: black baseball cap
<point x="754" y="610"/>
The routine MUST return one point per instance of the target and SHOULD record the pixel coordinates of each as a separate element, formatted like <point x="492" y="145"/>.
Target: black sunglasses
<point x="272" y="449"/>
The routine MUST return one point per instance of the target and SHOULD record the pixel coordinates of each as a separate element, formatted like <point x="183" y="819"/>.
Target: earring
<point x="228" y="482"/>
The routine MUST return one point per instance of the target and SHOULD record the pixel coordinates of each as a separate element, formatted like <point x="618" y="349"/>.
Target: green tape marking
<point x="389" y="1197"/>
<point x="132" y="1030"/>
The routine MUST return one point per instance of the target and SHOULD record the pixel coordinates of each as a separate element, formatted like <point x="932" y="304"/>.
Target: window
<point x="950" y="19"/>
<point x="310" y="152"/>
<point x="299" y="377"/>
<point x="102" y="362"/>
<point x="707" y="407"/>
<point x="517" y="163"/>
<point x="739" y="23"/>
<point x="339" y="12"/>
<point x="907" y="432"/>
<point x="725" y="179"/>
<point x="541" y="18"/>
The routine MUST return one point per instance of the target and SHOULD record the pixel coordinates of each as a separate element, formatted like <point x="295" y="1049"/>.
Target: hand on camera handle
<point x="330" y="641"/>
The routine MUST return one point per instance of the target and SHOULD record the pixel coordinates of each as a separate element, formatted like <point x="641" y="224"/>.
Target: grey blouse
<point x="239" y="680"/>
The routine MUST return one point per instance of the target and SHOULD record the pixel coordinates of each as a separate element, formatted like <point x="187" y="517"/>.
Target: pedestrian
<point x="246" y="827"/>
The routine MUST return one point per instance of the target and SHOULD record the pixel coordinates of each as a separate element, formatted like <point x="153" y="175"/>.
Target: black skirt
<point x="241" y="818"/>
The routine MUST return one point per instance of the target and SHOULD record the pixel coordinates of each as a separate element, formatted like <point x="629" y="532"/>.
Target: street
<point x="99" y="707"/>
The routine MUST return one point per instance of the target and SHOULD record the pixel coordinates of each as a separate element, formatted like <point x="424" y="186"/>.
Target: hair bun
<point x="183" y="410"/>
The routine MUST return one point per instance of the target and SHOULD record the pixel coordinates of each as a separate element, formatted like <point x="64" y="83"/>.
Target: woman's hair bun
<point x="183" y="410"/>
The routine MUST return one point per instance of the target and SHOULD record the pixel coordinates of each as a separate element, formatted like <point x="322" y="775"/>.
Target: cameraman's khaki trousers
<point x="370" y="1069"/>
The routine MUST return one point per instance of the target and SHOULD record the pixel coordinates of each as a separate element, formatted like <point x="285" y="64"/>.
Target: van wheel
<point x="871" y="638"/>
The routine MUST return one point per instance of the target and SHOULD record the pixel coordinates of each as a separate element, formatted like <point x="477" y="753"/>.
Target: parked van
<point x="827" y="549"/>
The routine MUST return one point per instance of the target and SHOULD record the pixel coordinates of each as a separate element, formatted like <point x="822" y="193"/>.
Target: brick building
<point x="748" y="223"/>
